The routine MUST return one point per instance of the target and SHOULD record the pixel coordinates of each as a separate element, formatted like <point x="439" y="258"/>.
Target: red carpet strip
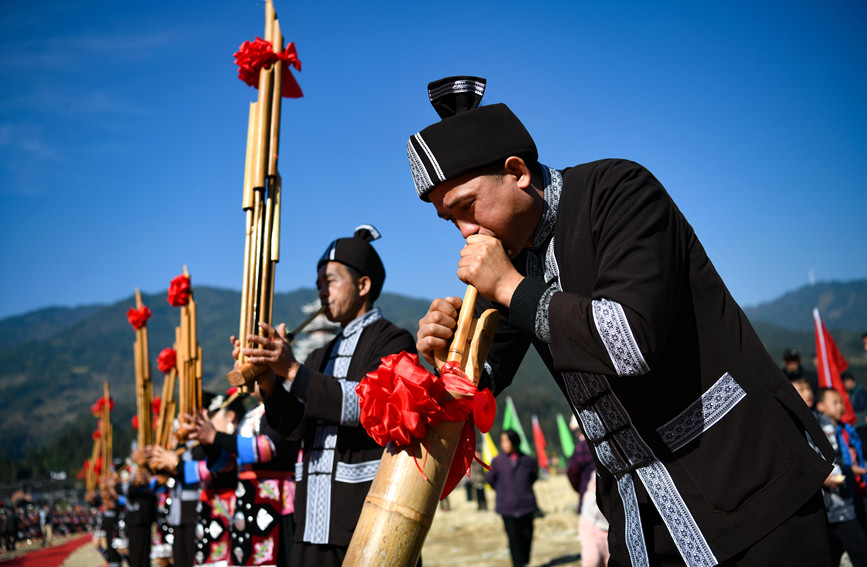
<point x="49" y="556"/>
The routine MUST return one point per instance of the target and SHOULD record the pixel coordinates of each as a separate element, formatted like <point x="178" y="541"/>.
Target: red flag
<point x="829" y="364"/>
<point x="539" y="441"/>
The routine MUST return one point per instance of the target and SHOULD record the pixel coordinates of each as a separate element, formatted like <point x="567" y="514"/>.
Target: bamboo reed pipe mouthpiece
<point x="462" y="330"/>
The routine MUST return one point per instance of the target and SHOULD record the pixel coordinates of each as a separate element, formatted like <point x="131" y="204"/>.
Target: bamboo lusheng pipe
<point x="166" y="414"/>
<point x="399" y="508"/>
<point x="266" y="84"/>
<point x="143" y="382"/>
<point x="90" y="470"/>
<point x="189" y="363"/>
<point x="106" y="432"/>
<point x="261" y="203"/>
<point x="276" y="99"/>
<point x="238" y="373"/>
<point x="248" y="204"/>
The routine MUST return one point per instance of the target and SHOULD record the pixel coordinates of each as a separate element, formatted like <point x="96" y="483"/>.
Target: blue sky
<point x="123" y="127"/>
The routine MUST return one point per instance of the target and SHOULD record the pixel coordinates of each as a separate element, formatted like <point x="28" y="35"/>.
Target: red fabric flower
<point x="179" y="291"/>
<point x="97" y="466"/>
<point x="95" y="435"/>
<point x="401" y="399"/>
<point x="252" y="56"/>
<point x="398" y="400"/>
<point x="167" y="360"/>
<point x="231" y="391"/>
<point x="134" y="421"/>
<point x="99" y="405"/>
<point x="155" y="406"/>
<point x="138" y="317"/>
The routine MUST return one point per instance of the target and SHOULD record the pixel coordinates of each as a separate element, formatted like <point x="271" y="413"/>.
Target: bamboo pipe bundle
<point x="143" y="383"/>
<point x="106" y="432"/>
<point x="90" y="470"/>
<point x="189" y="362"/>
<point x="399" y="508"/>
<point x="167" y="411"/>
<point x="261" y="202"/>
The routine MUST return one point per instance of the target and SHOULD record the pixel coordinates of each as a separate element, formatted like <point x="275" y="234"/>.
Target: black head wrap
<point x="468" y="137"/>
<point x="357" y="252"/>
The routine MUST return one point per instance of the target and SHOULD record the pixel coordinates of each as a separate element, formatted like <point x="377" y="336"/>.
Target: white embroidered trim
<point x="552" y="186"/>
<point x="578" y="395"/>
<point x="318" y="513"/>
<point x="419" y="174"/>
<point x="681" y="525"/>
<point x="299" y="471"/>
<point x="623" y="449"/>
<point x="703" y="413"/>
<point x="619" y="341"/>
<point x="462" y="86"/>
<point x="355" y="473"/>
<point x="430" y="156"/>
<point x="350" y="413"/>
<point x="634" y="535"/>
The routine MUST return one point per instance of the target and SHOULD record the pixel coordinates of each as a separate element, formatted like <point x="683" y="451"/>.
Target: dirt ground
<point x="466" y="536"/>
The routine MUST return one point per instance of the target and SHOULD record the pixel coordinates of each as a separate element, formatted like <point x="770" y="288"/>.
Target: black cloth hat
<point x="469" y="136"/>
<point x="357" y="252"/>
<point x="207" y="399"/>
<point x="791" y="354"/>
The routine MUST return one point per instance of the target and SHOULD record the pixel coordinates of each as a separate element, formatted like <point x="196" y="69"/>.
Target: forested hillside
<point x="53" y="362"/>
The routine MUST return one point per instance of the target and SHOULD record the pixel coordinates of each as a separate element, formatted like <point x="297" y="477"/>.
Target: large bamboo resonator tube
<point x="400" y="506"/>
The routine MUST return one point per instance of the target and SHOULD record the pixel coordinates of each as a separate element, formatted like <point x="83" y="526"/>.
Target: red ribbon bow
<point x="98" y="405"/>
<point x="166" y="360"/>
<point x="134" y="421"/>
<point x="138" y="317"/>
<point x="155" y="405"/>
<point x="252" y="56"/>
<point x="179" y="291"/>
<point x="401" y="399"/>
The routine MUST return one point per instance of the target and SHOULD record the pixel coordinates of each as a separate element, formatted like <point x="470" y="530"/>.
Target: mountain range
<point x="53" y="361"/>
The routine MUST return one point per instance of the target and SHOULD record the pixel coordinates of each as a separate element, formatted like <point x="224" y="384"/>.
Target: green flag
<point x="567" y="441"/>
<point x="511" y="421"/>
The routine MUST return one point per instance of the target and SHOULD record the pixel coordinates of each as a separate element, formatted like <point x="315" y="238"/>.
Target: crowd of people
<point x="26" y="523"/>
<point x="844" y="491"/>
<point x="276" y="475"/>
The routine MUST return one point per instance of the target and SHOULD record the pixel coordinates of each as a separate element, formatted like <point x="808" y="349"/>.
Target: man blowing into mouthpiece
<point x="697" y="435"/>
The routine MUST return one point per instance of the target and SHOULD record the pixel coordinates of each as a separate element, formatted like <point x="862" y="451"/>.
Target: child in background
<point x="847" y="534"/>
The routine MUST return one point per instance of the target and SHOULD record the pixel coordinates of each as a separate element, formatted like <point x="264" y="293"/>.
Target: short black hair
<point x="820" y="395"/>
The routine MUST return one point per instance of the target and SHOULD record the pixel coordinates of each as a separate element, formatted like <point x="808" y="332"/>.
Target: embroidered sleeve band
<point x="703" y="413"/>
<point x="617" y="336"/>
<point x="350" y="411"/>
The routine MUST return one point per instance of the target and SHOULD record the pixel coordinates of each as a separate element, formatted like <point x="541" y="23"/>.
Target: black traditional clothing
<point x="339" y="459"/>
<point x="263" y="522"/>
<point x="697" y="436"/>
<point x="182" y="502"/>
<point x="139" y="515"/>
<point x="217" y="480"/>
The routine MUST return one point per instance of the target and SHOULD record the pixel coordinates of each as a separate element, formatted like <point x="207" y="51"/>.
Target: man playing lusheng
<point x="317" y="401"/>
<point x="697" y="435"/>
